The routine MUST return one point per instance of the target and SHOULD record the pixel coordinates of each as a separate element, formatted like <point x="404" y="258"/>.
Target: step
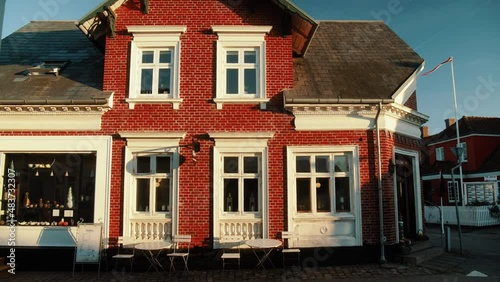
<point x="418" y="257"/>
<point x="420" y="245"/>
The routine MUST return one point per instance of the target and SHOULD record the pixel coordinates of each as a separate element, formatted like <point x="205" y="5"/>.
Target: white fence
<point x="469" y="215"/>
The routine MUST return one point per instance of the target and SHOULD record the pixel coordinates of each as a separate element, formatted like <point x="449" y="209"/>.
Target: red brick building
<point x="480" y="138"/>
<point x="218" y="118"/>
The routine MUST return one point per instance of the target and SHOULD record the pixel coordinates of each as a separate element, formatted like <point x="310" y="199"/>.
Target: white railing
<point x="469" y="215"/>
<point x="151" y="229"/>
<point x="244" y="228"/>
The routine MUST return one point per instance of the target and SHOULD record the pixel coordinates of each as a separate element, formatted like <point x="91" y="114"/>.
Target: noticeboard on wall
<point x="88" y="243"/>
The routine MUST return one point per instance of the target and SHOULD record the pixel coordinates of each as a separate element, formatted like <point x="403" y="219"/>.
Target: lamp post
<point x="459" y="152"/>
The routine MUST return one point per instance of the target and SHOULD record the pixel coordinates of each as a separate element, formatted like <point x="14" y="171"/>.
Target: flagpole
<point x="459" y="159"/>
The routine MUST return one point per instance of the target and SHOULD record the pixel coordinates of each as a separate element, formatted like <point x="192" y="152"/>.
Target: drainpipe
<point x="380" y="190"/>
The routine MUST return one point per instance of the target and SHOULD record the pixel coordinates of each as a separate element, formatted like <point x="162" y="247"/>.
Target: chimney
<point x="449" y="122"/>
<point x="425" y="131"/>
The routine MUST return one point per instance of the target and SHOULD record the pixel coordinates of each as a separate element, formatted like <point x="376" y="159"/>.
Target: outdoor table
<point x="149" y="249"/>
<point x="267" y="246"/>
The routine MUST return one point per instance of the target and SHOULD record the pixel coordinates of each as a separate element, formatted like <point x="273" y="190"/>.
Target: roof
<point x="38" y="41"/>
<point x="468" y="125"/>
<point x="352" y="60"/>
<point x="492" y="163"/>
<point x="301" y="25"/>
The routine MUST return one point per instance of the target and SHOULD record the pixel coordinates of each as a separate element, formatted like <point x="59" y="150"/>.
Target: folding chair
<point x="287" y="237"/>
<point x="231" y="250"/>
<point x="181" y="244"/>
<point x="124" y="253"/>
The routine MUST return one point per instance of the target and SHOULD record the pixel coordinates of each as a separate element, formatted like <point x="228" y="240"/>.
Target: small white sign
<point x="55" y="212"/>
<point x="68" y="213"/>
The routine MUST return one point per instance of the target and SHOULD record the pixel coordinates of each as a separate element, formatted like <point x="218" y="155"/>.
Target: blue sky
<point x="468" y="30"/>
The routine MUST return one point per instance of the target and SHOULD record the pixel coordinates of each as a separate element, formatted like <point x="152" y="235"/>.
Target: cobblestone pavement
<point x="365" y="271"/>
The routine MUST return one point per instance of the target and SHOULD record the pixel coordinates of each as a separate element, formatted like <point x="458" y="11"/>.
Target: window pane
<point x="230" y="164"/>
<point x="341" y="164"/>
<point x="251" y="201"/>
<point x="230" y="195"/>
<point x="147" y="57"/>
<point x="250" y="57"/>
<point x="146" y="81"/>
<point x="322" y="164"/>
<point x="162" y="164"/>
<point x="250" y="81"/>
<point x="303" y="195"/>
<point x="251" y="164"/>
<point x="142" y="196"/>
<point x="232" y="81"/>
<point x="162" y="195"/>
<point x="143" y="165"/>
<point x="323" y="194"/>
<point x="232" y="57"/>
<point x="302" y="164"/>
<point x="342" y="194"/>
<point x="165" y="57"/>
<point x="164" y="81"/>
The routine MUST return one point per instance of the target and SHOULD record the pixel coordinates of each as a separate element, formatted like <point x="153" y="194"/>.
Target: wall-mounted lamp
<point x="392" y="167"/>
<point x="195" y="148"/>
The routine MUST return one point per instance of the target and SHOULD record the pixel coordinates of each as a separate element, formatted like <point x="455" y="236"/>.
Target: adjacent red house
<point x="214" y="118"/>
<point x="480" y="137"/>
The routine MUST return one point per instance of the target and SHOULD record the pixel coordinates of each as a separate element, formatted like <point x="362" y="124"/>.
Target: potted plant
<point x="495" y="211"/>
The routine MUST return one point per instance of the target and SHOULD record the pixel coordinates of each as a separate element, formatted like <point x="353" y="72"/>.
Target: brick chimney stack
<point x="449" y="122"/>
<point x="425" y="131"/>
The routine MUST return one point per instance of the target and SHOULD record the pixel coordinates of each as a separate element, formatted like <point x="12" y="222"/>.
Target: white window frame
<point x="152" y="176"/>
<point x="339" y="218"/>
<point x="230" y="144"/>
<point x="440" y="154"/>
<point x="451" y="199"/>
<point x="154" y="38"/>
<point x="241" y="38"/>
<point x="150" y="143"/>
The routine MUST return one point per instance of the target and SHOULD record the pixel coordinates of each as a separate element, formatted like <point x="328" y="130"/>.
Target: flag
<point x="438" y="66"/>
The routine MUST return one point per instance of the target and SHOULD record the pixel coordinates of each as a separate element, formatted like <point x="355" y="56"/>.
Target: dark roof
<point x="79" y="83"/>
<point x="467" y="125"/>
<point x="352" y="60"/>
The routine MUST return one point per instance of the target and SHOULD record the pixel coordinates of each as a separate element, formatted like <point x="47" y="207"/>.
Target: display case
<point x="51" y="189"/>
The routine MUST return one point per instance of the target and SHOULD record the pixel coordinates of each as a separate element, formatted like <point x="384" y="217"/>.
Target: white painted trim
<point x="155" y="135"/>
<point x="235" y="145"/>
<point x="133" y="101"/>
<point x="221" y="101"/>
<point x="405" y="91"/>
<point x="292" y="151"/>
<point x="241" y="29"/>
<point x="102" y="145"/>
<point x="46" y="122"/>
<point x="157" y="28"/>
<point x="464" y="176"/>
<point x="415" y="156"/>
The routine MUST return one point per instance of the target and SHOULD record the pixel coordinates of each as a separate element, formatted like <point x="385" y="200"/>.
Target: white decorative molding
<point x="393" y="117"/>
<point x="221" y="101"/>
<point x="133" y="101"/>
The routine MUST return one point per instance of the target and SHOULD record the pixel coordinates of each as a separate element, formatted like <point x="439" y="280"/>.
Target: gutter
<point x="380" y="189"/>
<point x="335" y="101"/>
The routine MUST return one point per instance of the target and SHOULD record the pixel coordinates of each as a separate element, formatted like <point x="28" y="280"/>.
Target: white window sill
<point x="221" y="101"/>
<point x="133" y="101"/>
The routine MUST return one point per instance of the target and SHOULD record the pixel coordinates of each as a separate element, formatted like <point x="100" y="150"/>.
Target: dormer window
<point x="47" y="67"/>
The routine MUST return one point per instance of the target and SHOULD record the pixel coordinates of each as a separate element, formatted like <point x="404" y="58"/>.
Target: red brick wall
<point x="412" y="101"/>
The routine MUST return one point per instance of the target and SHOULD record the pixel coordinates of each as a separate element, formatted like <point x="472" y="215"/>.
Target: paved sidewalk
<point x="365" y="271"/>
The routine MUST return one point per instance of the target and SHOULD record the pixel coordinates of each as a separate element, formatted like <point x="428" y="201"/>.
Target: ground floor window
<point x="50" y="188"/>
<point x="323" y="195"/>
<point x="480" y="192"/>
<point x="451" y="195"/>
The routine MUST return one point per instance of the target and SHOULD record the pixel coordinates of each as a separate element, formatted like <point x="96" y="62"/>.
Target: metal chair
<point x="181" y="244"/>
<point x="124" y="253"/>
<point x="231" y="250"/>
<point x="287" y="237"/>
